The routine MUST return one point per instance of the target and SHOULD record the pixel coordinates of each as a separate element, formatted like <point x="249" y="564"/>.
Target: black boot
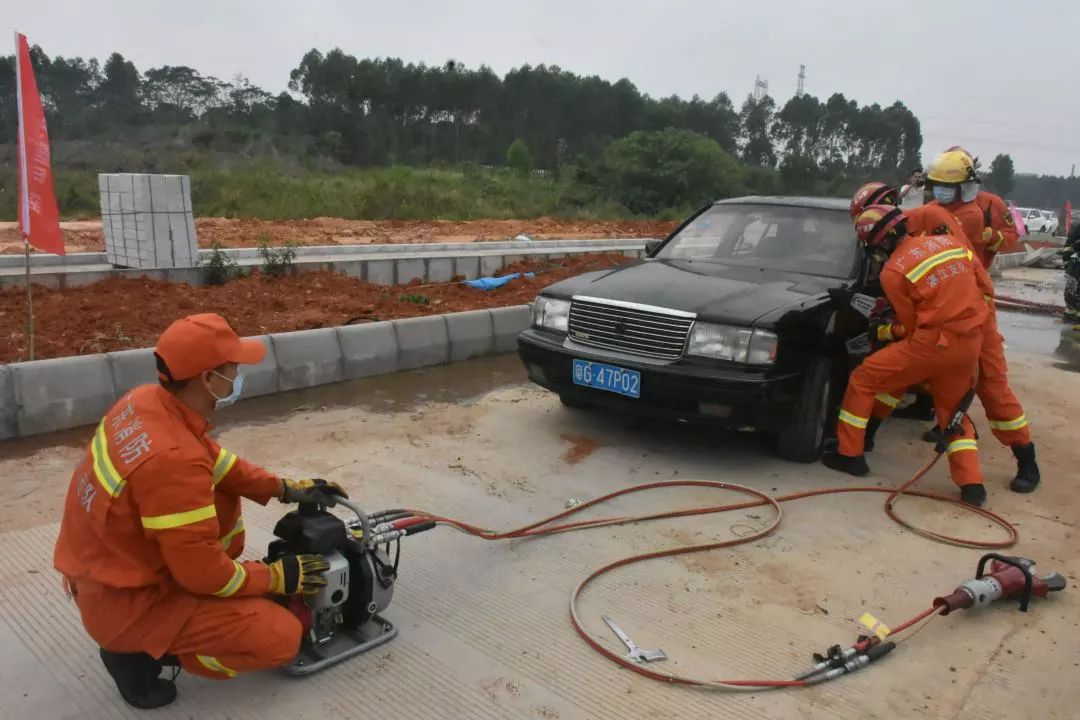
<point x="851" y="465"/>
<point x="872" y="426"/>
<point x="1027" y="470"/>
<point x="973" y="494"/>
<point x="933" y="435"/>
<point x="136" y="677"/>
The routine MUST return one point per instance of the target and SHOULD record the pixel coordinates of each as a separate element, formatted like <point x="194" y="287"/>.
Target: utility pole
<point x="761" y="87"/>
<point x="802" y="81"/>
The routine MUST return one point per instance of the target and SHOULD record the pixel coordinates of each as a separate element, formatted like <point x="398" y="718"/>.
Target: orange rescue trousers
<point x="943" y="360"/>
<point x="1003" y="410"/>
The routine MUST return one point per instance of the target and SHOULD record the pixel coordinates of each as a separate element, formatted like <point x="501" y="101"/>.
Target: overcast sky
<point x="994" y="76"/>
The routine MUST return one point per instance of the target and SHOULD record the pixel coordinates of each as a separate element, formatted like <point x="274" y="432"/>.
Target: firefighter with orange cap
<point x="930" y="282"/>
<point x="1003" y="409"/>
<point x="152" y="528"/>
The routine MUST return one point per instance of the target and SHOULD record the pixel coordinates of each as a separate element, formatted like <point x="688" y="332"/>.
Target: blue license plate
<point x="607" y="377"/>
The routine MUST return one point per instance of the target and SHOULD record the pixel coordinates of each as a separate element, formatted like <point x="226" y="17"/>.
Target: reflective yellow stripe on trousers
<point x="889" y="400"/>
<point x="1009" y="424"/>
<point x="212" y="663"/>
<point x="961" y="445"/>
<point x="854" y="420"/>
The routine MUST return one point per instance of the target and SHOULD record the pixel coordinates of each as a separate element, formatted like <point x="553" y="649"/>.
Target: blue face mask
<point x="944" y="195"/>
<point x="237" y="388"/>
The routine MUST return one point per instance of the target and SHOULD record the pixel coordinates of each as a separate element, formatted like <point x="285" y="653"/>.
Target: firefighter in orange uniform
<point x="930" y="282"/>
<point x="989" y="225"/>
<point x="152" y="528"/>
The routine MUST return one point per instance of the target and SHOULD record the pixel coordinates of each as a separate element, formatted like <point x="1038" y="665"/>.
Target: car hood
<point x="714" y="291"/>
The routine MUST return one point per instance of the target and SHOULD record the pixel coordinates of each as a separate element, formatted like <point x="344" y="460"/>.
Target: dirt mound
<point x="85" y="236"/>
<point x="118" y="314"/>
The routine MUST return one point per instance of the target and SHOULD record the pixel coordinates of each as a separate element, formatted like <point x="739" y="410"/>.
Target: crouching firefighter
<point x="929" y="281"/>
<point x="152" y="528"/>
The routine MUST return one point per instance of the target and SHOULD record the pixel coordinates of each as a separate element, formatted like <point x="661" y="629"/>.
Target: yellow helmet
<point x="952" y="166"/>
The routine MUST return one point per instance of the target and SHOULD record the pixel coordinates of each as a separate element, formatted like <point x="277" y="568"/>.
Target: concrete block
<point x="307" y="358"/>
<point x="472" y="334"/>
<point x="507" y="323"/>
<point x="78" y="279"/>
<point x="369" y="349"/>
<point x="422" y="342"/>
<point x="9" y="427"/>
<point x="467" y="267"/>
<point x="380" y="272"/>
<point x="131" y="368"/>
<point x="62" y="393"/>
<point x="262" y="379"/>
<point x="409" y="270"/>
<point x="440" y="270"/>
<point x="490" y="265"/>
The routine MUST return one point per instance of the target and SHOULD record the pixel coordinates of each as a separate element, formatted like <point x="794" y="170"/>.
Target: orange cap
<point x="198" y="343"/>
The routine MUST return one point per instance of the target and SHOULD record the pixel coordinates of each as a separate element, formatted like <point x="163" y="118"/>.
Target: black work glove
<point x="314" y="490"/>
<point x="298" y="574"/>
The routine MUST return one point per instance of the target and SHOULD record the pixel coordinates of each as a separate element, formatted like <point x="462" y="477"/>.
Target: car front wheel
<point x="807" y="425"/>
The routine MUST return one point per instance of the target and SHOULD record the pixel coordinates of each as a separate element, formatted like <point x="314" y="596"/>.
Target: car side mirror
<point x="651" y="246"/>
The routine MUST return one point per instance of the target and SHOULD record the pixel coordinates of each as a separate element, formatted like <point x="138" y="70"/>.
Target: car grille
<point x="634" y="329"/>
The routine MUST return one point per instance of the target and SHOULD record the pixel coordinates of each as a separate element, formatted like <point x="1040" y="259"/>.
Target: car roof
<point x="824" y="203"/>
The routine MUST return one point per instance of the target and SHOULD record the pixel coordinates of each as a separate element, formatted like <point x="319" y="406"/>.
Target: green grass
<point x="232" y="186"/>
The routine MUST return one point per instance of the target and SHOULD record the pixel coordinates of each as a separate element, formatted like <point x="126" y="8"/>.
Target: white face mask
<point x="944" y="194"/>
<point x="968" y="191"/>
<point x="232" y="397"/>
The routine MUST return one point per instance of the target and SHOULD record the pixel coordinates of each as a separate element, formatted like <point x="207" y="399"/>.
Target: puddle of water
<point x="1043" y="335"/>
<point x="400" y="392"/>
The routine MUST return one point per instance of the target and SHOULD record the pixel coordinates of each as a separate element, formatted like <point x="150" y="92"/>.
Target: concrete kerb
<point x="9" y="426"/>
<point x="422" y="341"/>
<point x="49" y="395"/>
<point x="62" y="393"/>
<point x="308" y="358"/>
<point x="131" y="368"/>
<point x="368" y="350"/>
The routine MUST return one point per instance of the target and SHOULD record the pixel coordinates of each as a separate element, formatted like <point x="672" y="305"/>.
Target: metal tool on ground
<point x="1010" y="578"/>
<point x="634" y="653"/>
<point x="342" y="619"/>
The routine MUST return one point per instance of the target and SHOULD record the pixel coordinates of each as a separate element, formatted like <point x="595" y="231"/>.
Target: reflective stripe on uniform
<point x="1009" y="424"/>
<point x="855" y="420"/>
<point x="175" y="520"/>
<point x="961" y="445"/>
<point x="235" y="582"/>
<point x="995" y="246"/>
<point x="104" y="469"/>
<point x="237" y="529"/>
<point x="212" y="663"/>
<point x="887" y="400"/>
<point x="224" y="463"/>
<point x="920" y="270"/>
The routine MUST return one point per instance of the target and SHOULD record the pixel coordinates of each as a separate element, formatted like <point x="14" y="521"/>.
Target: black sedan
<point x="732" y="319"/>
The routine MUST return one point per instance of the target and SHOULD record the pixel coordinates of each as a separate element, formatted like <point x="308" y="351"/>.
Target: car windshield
<point x="814" y="241"/>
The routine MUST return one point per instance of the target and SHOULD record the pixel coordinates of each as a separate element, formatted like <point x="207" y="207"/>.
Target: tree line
<point x="646" y="153"/>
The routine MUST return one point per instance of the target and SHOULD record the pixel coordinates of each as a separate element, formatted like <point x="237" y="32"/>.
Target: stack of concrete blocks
<point x="148" y="220"/>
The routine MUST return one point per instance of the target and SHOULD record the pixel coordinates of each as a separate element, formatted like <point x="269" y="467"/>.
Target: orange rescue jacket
<point x="152" y="520"/>
<point x="930" y="282"/>
<point x="934" y="219"/>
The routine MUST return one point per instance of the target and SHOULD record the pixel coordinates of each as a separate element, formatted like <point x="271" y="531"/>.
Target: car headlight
<point x="738" y="344"/>
<point x="551" y="313"/>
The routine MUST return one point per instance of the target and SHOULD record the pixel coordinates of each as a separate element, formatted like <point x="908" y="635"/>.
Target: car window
<point x="814" y="241"/>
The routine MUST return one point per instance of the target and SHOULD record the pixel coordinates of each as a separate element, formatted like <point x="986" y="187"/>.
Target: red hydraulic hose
<point x="547" y="526"/>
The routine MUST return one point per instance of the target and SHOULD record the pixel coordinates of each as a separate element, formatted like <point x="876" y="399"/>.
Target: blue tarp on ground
<point x="490" y="283"/>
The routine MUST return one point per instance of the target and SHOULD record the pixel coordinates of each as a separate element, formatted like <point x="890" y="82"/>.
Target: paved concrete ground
<point x="484" y="628"/>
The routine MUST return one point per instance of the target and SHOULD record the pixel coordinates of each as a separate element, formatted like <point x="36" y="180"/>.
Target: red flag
<point x="39" y="217"/>
<point x="1068" y="217"/>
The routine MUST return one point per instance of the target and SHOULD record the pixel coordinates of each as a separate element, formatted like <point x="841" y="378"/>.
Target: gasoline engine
<point x="342" y="619"/>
